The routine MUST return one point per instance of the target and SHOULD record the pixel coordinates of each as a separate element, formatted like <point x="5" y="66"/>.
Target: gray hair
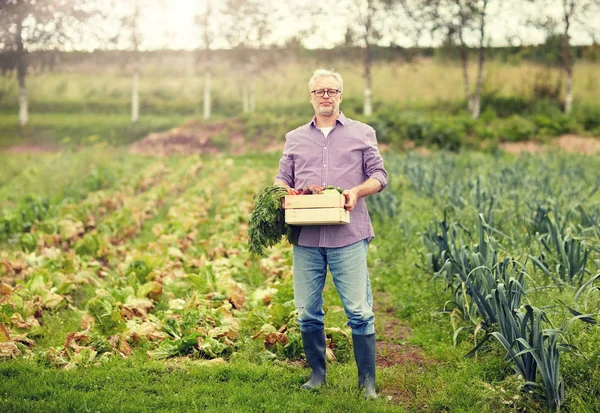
<point x="325" y="73"/>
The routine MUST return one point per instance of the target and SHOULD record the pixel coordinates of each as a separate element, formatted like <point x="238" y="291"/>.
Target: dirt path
<point x="33" y="148"/>
<point x="392" y="348"/>
<point x="565" y="143"/>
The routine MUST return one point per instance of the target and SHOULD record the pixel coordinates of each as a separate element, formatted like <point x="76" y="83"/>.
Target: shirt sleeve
<point x="372" y="160"/>
<point x="286" y="165"/>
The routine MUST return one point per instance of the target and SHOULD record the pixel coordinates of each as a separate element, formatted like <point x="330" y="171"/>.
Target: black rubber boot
<point x="364" y="353"/>
<point x="314" y="349"/>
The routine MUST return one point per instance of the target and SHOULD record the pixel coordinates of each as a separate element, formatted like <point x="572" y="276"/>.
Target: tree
<point x="247" y="28"/>
<point x="204" y="21"/>
<point x="458" y="19"/>
<point x="130" y="25"/>
<point x="37" y="24"/>
<point x="124" y="31"/>
<point x="369" y="16"/>
<point x="412" y="18"/>
<point x="573" y="13"/>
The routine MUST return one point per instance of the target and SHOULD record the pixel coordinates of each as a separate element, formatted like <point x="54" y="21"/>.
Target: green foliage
<point x="589" y="117"/>
<point x="72" y="128"/>
<point x="140" y="269"/>
<point x="106" y="312"/>
<point x="31" y="208"/>
<point x="267" y="220"/>
<point x="88" y="245"/>
<point x="517" y="128"/>
<point x="28" y="242"/>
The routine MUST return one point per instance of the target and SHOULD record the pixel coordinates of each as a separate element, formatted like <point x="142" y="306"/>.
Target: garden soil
<point x="566" y="143"/>
<point x="199" y="138"/>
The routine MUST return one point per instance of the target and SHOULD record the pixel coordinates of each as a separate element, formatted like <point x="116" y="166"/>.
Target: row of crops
<point x="516" y="248"/>
<point x="156" y="262"/>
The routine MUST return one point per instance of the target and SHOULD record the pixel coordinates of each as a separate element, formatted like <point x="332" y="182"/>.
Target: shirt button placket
<point x="325" y="161"/>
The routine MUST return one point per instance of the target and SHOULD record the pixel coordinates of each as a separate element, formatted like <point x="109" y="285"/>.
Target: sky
<point x="170" y="23"/>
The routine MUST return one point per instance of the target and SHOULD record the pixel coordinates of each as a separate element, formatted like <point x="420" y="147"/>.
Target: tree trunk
<point x="245" y="102"/>
<point x="206" y="39"/>
<point x="464" y="58"/>
<point x="23" y="104"/>
<point x="207" y="102"/>
<point x="135" y="96"/>
<point x="368" y="107"/>
<point x="21" y="74"/>
<point x="568" y="63"/>
<point x="477" y="99"/>
<point x="252" y="100"/>
<point x="569" y="94"/>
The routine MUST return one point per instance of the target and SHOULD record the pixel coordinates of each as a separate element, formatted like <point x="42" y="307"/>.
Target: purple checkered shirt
<point x="346" y="158"/>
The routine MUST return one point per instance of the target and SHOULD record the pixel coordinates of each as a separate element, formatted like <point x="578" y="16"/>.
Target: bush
<point x="418" y="131"/>
<point x="488" y="115"/>
<point x="389" y="123"/>
<point x="588" y="117"/>
<point x="555" y="125"/>
<point x="516" y="128"/>
<point x="547" y="107"/>
<point x="448" y="133"/>
<point x="486" y="131"/>
<point x="504" y="106"/>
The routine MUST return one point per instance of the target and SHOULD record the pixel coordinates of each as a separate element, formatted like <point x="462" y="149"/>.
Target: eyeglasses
<point x="330" y="92"/>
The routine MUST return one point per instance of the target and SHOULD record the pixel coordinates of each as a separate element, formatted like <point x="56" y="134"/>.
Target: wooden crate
<point x="321" y="209"/>
<point x="314" y="201"/>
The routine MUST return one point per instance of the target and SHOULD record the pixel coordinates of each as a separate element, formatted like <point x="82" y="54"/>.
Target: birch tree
<point x="573" y="13"/>
<point x="247" y="28"/>
<point x="131" y="24"/>
<point x="369" y="16"/>
<point x="412" y="18"/>
<point x="37" y="24"/>
<point x="204" y="21"/>
<point x="125" y="31"/>
<point x="458" y="20"/>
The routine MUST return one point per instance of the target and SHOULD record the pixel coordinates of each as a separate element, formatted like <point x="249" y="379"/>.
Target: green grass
<point x="75" y="129"/>
<point x="192" y="385"/>
<point x="145" y="386"/>
<point x="423" y="83"/>
<point x="63" y="174"/>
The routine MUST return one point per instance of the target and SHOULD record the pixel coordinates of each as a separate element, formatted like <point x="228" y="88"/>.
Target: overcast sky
<point x="170" y="24"/>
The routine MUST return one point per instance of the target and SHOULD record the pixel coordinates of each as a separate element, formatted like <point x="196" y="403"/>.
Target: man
<point x="334" y="150"/>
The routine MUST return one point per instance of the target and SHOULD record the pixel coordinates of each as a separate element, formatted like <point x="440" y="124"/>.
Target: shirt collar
<point x="341" y="119"/>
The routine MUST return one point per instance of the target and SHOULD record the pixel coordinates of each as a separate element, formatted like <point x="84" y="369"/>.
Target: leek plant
<point x="566" y="255"/>
<point x="383" y="206"/>
<point x="590" y="221"/>
<point x="536" y="350"/>
<point x="588" y="287"/>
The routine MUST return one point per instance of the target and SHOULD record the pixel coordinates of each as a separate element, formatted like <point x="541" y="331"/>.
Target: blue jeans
<point x="348" y="266"/>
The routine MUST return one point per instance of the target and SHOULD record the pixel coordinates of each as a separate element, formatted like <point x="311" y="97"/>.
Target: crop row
<point x="516" y="247"/>
<point x="161" y="267"/>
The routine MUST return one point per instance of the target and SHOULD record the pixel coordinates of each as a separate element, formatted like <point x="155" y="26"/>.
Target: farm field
<point x="127" y="285"/>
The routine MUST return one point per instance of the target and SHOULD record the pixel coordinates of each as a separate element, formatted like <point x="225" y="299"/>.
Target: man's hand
<point x="369" y="187"/>
<point x="351" y="196"/>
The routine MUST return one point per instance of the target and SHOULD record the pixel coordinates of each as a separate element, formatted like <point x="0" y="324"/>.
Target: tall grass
<point x="425" y="82"/>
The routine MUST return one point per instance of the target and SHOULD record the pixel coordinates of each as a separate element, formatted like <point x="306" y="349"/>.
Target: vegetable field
<point x="485" y="268"/>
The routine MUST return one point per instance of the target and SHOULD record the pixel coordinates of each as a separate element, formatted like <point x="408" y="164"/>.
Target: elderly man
<point x="334" y="150"/>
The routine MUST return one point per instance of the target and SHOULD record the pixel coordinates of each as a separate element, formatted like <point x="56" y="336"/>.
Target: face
<point x="326" y="106"/>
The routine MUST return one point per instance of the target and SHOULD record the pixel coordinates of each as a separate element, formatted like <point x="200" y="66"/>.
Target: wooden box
<point x="321" y="209"/>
